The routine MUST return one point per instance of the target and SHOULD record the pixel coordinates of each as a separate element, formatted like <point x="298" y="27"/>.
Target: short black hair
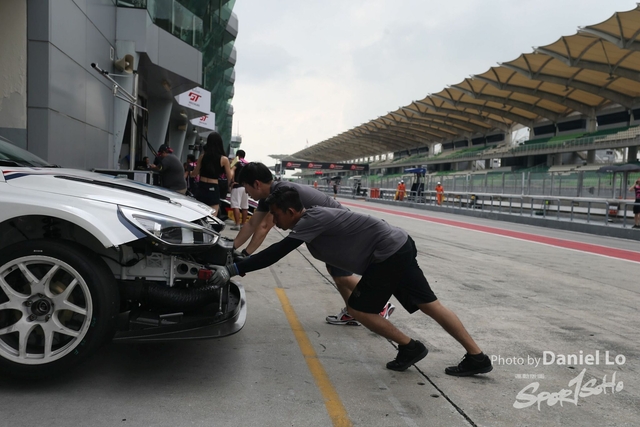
<point x="284" y="198"/>
<point x="252" y="172"/>
<point x="241" y="154"/>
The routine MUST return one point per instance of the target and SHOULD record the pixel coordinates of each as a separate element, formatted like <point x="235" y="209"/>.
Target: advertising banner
<point x="207" y="121"/>
<point x="288" y="164"/>
<point x="197" y="99"/>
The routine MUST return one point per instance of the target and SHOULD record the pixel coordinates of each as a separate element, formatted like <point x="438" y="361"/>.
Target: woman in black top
<point x="211" y="164"/>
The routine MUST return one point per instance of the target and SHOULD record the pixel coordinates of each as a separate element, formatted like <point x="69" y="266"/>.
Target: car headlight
<point x="171" y="231"/>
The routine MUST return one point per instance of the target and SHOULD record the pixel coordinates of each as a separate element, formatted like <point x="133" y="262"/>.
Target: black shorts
<point x="636" y="207"/>
<point x="207" y="193"/>
<point x="338" y="272"/>
<point x="400" y="276"/>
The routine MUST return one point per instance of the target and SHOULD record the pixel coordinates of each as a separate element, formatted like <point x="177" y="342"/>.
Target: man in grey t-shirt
<point x="258" y="182"/>
<point x="385" y="256"/>
<point x="171" y="170"/>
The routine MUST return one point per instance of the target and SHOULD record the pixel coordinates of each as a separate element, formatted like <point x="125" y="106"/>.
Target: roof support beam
<point x="631" y="44"/>
<point x="433" y="133"/>
<point x="388" y="143"/>
<point x="575" y="105"/>
<point x="511" y="116"/>
<point x="617" y="97"/>
<point x="611" y="69"/>
<point x="413" y="124"/>
<point x="431" y="130"/>
<point x="542" y="112"/>
<point x="464" y="126"/>
<point x="472" y="116"/>
<point x="409" y="121"/>
<point x="395" y="139"/>
<point x="424" y="138"/>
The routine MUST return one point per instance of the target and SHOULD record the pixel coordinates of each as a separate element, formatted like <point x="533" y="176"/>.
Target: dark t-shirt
<point x="341" y="238"/>
<point x="309" y="196"/>
<point x="347" y="240"/>
<point x="172" y="173"/>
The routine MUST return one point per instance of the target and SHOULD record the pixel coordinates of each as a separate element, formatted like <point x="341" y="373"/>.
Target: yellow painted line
<point x="332" y="401"/>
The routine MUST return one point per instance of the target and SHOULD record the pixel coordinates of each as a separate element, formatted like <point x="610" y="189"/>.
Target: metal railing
<point x="561" y="184"/>
<point x="559" y="208"/>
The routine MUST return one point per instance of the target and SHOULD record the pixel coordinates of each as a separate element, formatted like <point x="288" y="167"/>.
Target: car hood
<point x="106" y="188"/>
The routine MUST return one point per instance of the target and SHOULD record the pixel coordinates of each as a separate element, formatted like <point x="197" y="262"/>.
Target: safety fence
<point x="560" y="184"/>
<point x="589" y="210"/>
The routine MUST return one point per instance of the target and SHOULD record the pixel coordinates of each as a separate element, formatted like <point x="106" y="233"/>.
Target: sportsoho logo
<point x="577" y="387"/>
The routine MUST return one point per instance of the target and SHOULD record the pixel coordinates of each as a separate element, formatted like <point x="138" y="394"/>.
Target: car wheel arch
<point x="31" y="227"/>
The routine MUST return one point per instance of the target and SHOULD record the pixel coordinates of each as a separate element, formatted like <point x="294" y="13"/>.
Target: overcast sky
<point x="309" y="70"/>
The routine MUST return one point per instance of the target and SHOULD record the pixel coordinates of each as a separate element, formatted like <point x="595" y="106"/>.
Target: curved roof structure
<point x="582" y="74"/>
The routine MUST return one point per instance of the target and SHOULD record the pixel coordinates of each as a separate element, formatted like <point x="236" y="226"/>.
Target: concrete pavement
<point x="521" y="300"/>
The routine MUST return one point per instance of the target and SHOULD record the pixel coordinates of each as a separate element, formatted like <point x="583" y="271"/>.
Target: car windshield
<point x="11" y="155"/>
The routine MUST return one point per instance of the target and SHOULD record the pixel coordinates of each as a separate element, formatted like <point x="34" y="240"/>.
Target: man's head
<point x="164" y="150"/>
<point x="286" y="207"/>
<point x="256" y="179"/>
<point x="240" y="154"/>
<point x="438" y="182"/>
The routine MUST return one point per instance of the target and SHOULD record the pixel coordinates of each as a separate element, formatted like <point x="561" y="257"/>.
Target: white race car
<point x="86" y="258"/>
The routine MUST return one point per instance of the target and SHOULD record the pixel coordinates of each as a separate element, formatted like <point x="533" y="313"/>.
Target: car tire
<point x="58" y="305"/>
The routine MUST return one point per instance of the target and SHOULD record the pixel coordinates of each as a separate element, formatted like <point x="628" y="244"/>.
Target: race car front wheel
<point x="58" y="305"/>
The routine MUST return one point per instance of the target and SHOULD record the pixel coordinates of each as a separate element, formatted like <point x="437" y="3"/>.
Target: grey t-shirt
<point x="309" y="196"/>
<point x="172" y="173"/>
<point x="347" y="240"/>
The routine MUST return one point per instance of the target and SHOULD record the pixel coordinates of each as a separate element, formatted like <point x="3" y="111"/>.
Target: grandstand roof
<point x="584" y="73"/>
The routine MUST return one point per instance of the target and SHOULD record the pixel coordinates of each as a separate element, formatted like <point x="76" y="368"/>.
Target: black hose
<point x="170" y="298"/>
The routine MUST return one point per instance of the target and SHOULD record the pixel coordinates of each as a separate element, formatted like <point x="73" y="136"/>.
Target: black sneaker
<point x="407" y="357"/>
<point x="470" y="366"/>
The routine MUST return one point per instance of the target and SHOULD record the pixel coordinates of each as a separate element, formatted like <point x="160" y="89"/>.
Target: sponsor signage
<point x="197" y="99"/>
<point x="319" y="165"/>
<point x="206" y="121"/>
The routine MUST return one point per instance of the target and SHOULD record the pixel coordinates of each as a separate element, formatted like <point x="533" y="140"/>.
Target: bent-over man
<point x="384" y="255"/>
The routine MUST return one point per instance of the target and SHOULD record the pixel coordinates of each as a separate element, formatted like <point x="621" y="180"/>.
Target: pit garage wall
<point x="13" y="71"/>
<point x="69" y="105"/>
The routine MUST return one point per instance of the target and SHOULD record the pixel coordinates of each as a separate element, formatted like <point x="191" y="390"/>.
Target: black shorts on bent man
<point x="400" y="276"/>
<point x="338" y="272"/>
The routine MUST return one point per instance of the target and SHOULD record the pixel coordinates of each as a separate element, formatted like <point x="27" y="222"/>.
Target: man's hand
<point x="239" y="256"/>
<point x="223" y="274"/>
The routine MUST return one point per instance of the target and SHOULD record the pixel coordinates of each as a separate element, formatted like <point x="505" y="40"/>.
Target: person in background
<point x="211" y="164"/>
<point x="636" y="206"/>
<point x="171" y="170"/>
<point x="239" y="197"/>
<point x="190" y="167"/>
<point x="400" y="191"/>
<point x="315" y="184"/>
<point x="439" y="193"/>
<point x="384" y="255"/>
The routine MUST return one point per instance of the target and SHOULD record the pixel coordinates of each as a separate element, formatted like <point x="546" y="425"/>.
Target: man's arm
<point x="269" y="256"/>
<point x="249" y="228"/>
<point x="260" y="233"/>
<point x="264" y="259"/>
